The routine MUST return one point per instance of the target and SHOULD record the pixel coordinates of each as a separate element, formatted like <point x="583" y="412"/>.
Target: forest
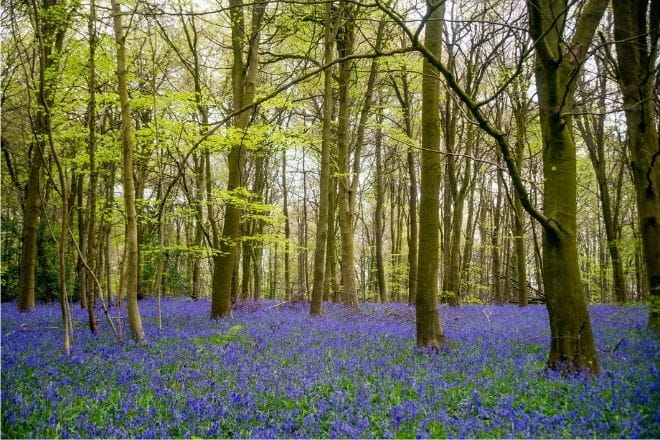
<point x="330" y="219"/>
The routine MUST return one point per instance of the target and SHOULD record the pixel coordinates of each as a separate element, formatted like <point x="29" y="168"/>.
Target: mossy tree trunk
<point x="558" y="63"/>
<point x="636" y="31"/>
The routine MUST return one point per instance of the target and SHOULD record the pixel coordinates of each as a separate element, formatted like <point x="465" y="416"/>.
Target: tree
<point x="51" y="17"/>
<point x="429" y="328"/>
<point x="379" y="213"/>
<point x="558" y="63"/>
<point x="131" y="238"/>
<point x="324" y="179"/>
<point x="571" y="346"/>
<point x="244" y="77"/>
<point x="636" y="31"/>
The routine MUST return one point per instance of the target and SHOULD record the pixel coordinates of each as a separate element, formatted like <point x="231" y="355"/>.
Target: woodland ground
<point x="276" y="372"/>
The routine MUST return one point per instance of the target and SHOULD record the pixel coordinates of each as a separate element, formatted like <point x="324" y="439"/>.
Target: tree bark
<point x="496" y="213"/>
<point x="379" y="213"/>
<point x="557" y="65"/>
<point x="636" y="31"/>
<point x="51" y="35"/>
<point x="345" y="37"/>
<point x="131" y="239"/>
<point x="93" y="174"/>
<point x="244" y="79"/>
<point x="287" y="231"/>
<point x="430" y="333"/>
<point x="316" y="306"/>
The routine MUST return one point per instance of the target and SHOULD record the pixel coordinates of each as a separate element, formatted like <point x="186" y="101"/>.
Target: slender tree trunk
<point x="330" y="289"/>
<point x="199" y="234"/>
<point x="107" y="231"/>
<point x="520" y="105"/>
<point x="287" y="231"/>
<point x="93" y="174"/>
<point x="246" y="231"/>
<point x="429" y="329"/>
<point x="244" y="82"/>
<point x="131" y="245"/>
<point x="78" y="190"/>
<point x="379" y="213"/>
<point x="45" y="31"/>
<point x="316" y="306"/>
<point x="496" y="213"/>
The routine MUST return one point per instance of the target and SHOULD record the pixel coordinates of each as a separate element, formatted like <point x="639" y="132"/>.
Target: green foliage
<point x="232" y="335"/>
<point x="11" y="254"/>
<point x="47" y="287"/>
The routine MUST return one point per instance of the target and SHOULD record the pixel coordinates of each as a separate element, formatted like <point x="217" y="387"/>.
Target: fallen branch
<point x="277" y="305"/>
<point x="25" y="326"/>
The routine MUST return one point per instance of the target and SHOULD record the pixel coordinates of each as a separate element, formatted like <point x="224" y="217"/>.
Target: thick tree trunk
<point x="572" y="344"/>
<point x="429" y="329"/>
<point x="27" y="277"/>
<point x="345" y="38"/>
<point x="636" y="30"/>
<point x="131" y="240"/>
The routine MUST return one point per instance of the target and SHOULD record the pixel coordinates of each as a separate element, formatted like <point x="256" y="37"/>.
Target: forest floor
<point x="272" y="371"/>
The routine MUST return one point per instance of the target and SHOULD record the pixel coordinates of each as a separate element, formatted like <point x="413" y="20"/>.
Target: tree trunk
<point x="93" y="174"/>
<point x="51" y="35"/>
<point x="287" y="231"/>
<point x="572" y="344"/>
<point x="637" y="49"/>
<point x="330" y="288"/>
<point x="131" y="239"/>
<point x="345" y="37"/>
<point x="496" y="213"/>
<point x="316" y="306"/>
<point x="78" y="190"/>
<point x="429" y="329"/>
<point x="244" y="83"/>
<point x="379" y="213"/>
